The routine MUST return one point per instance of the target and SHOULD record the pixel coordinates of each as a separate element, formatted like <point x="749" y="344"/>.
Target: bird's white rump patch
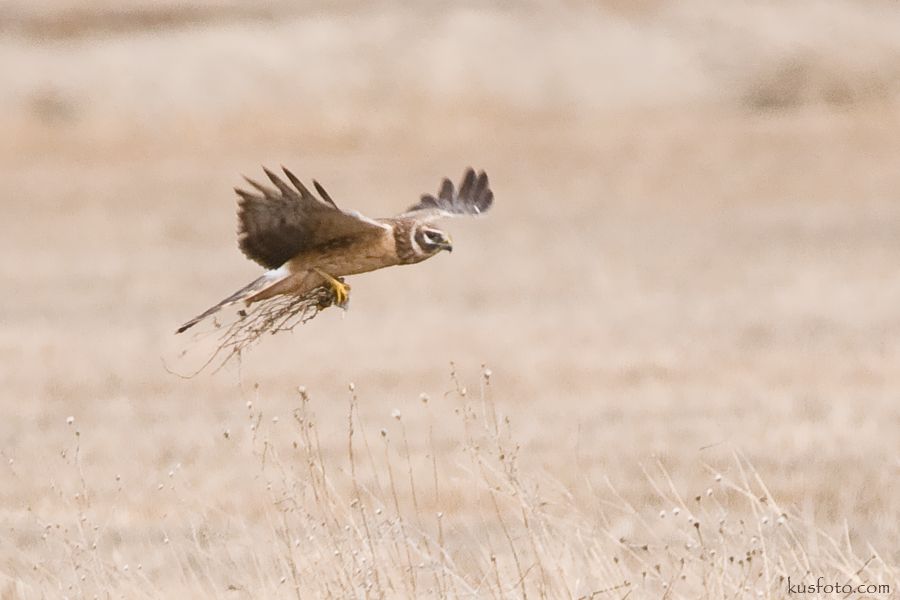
<point x="278" y="273"/>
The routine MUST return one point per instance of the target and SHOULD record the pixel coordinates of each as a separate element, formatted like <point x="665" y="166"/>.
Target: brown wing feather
<point x="473" y="198"/>
<point x="277" y="224"/>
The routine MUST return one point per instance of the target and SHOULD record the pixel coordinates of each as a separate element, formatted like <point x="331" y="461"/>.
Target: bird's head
<point x="432" y="240"/>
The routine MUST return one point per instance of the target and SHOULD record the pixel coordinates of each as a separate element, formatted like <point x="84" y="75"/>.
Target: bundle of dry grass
<point x="266" y="317"/>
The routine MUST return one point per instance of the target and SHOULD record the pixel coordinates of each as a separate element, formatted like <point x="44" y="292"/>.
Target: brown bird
<point x="307" y="241"/>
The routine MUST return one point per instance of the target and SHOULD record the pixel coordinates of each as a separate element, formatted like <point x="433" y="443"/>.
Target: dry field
<point x="666" y="365"/>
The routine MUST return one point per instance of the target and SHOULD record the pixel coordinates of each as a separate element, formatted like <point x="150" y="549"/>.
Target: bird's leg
<point x="341" y="290"/>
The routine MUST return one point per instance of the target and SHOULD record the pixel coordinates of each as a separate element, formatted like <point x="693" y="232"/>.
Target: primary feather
<point x="473" y="198"/>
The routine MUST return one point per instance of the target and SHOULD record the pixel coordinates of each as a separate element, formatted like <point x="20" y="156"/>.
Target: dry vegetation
<point x="373" y="521"/>
<point x="687" y="294"/>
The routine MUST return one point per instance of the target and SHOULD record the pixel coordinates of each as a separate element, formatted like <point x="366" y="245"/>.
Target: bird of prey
<point x="307" y="241"/>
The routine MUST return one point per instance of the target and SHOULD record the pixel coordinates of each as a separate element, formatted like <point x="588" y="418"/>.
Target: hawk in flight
<point x="307" y="241"/>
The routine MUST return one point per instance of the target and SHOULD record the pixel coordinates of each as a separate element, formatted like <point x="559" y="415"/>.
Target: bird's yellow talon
<point x="340" y="290"/>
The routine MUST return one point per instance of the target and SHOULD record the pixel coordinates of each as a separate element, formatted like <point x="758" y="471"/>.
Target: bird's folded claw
<point x="341" y="293"/>
<point x="339" y="289"/>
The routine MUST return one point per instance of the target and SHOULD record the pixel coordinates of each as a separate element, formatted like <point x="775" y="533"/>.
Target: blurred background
<point x="693" y="251"/>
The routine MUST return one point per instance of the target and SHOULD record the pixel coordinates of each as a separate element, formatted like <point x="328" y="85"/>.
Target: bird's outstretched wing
<point x="277" y="224"/>
<point x="474" y="197"/>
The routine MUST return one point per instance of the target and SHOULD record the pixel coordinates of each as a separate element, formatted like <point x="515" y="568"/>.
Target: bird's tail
<point x="244" y="293"/>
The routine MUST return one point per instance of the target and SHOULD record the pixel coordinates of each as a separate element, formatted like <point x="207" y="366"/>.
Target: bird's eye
<point x="433" y="236"/>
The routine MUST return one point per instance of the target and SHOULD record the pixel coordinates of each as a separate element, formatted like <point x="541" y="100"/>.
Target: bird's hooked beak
<point x="446" y="245"/>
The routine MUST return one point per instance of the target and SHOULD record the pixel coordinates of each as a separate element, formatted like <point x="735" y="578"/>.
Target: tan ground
<point x="693" y="256"/>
